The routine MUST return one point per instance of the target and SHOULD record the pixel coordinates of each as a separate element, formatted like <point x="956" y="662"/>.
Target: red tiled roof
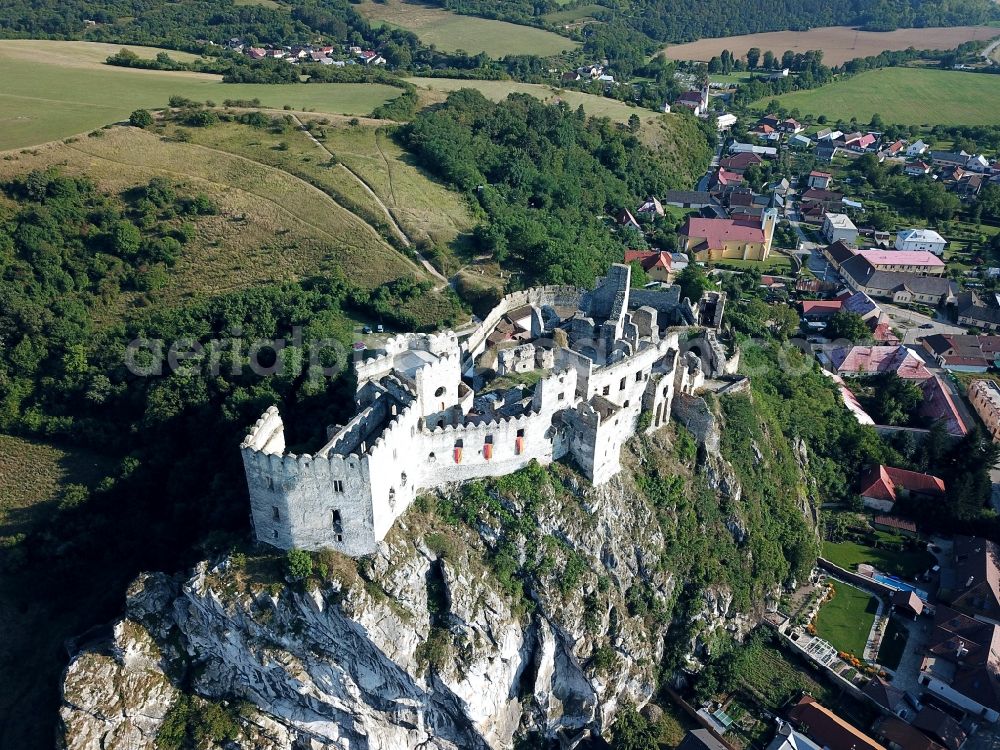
<point x="871" y="360"/>
<point x="882" y="332"/>
<point x="901" y="258"/>
<point x="817" y="173"/>
<point x="939" y="404"/>
<point x="821" y="306"/>
<point x="717" y="231"/>
<point x="826" y="728"/>
<point x="740" y="161"/>
<point x="649" y="259"/>
<point x="881" y="482"/>
<point x="895" y="523"/>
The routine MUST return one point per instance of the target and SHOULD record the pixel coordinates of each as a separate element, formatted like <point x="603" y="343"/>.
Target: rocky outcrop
<point x="444" y="639"/>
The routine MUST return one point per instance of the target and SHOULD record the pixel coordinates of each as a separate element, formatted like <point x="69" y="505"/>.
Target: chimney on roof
<point x="970" y="581"/>
<point x="962" y="650"/>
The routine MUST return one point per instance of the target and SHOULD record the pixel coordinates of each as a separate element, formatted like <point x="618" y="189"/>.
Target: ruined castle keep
<point x="598" y="360"/>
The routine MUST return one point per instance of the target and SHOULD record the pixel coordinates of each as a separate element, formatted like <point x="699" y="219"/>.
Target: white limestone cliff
<point x="349" y="661"/>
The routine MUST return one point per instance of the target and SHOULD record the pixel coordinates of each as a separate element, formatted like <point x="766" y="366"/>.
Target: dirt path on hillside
<point x="398" y="229"/>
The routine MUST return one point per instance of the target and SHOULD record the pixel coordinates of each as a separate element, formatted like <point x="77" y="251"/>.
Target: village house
<point x="962" y="665"/>
<point x="917" y="148"/>
<point x="984" y="395"/>
<point x="739" y="163"/>
<point x="701" y="739"/>
<point x="938" y="405"/>
<point x="917" y="169"/>
<point x="652" y="208"/>
<point x="949" y="159"/>
<point x="720" y="239"/>
<point x="898" y="735"/>
<point x="975" y="312"/>
<point x="838" y="253"/>
<point x="963" y="352"/>
<point x="861" y="361"/>
<point x="657" y="264"/>
<point x="624" y="218"/>
<point x="768" y="152"/>
<point x="723" y="179"/>
<point x="909" y="261"/>
<point x="839" y="228"/>
<point x="921" y="239"/>
<point x="900" y="287"/>
<point x="827" y="729"/>
<point x="786" y="738"/>
<point x="800" y="141"/>
<point x="883" y="486"/>
<point x="688" y="199"/>
<point x="976" y="588"/>
<point x="820" y="180"/>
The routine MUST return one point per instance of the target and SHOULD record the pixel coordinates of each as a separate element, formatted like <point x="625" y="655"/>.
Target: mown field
<point x="272" y="226"/>
<point x="436" y="89"/>
<point x="839" y="43"/>
<point x="51" y="90"/>
<point x="910" y="96"/>
<point x="450" y="31"/>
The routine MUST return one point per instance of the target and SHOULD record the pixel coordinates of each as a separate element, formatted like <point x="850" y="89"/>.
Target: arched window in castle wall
<point x="488" y="447"/>
<point x="519" y="442"/>
<point x="458" y="451"/>
<point x="392" y="498"/>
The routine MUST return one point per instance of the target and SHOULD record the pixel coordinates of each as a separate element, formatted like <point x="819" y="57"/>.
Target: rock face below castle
<point x="599" y="359"/>
<point x="343" y="661"/>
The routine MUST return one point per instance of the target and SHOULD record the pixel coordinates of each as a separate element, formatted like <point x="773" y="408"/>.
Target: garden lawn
<point x="846" y="620"/>
<point x="906" y="564"/>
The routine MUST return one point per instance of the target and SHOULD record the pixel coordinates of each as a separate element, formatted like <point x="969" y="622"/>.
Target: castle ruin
<point x="551" y="372"/>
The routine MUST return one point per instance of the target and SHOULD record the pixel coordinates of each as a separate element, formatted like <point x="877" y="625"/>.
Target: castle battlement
<point x="421" y="426"/>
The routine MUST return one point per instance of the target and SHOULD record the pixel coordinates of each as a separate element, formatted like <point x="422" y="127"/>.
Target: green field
<point x="596" y="106"/>
<point x="846" y="620"/>
<point x="908" y="96"/>
<point x="450" y="32"/>
<point x="572" y="15"/>
<point x="46" y="97"/>
<point x="906" y="564"/>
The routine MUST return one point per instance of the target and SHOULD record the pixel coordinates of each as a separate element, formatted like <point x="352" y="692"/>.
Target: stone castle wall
<point x="415" y="429"/>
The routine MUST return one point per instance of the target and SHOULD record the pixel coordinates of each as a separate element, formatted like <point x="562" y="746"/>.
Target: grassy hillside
<point x="905" y="95"/>
<point x="363" y="169"/>
<point x="450" y="32"/>
<point x="52" y="90"/>
<point x="272" y="226"/>
<point x="436" y="89"/>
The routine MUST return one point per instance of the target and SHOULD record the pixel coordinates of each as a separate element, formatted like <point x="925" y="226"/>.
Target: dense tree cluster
<point x="546" y="176"/>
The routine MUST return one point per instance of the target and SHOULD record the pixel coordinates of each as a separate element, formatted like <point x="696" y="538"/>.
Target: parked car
<point x="380" y="328"/>
<point x="927" y="325"/>
<point x="366" y="330"/>
<point x="359" y="346"/>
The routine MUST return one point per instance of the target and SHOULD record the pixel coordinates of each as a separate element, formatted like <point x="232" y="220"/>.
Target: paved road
<point x="909" y="323"/>
<point x="702" y="185"/>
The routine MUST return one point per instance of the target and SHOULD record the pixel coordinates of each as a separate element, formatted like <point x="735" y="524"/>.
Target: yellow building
<point x="727" y="239"/>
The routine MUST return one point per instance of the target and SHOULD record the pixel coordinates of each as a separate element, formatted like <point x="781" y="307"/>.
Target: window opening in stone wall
<point x="338" y="523"/>
<point x="621" y="385"/>
<point x="275" y="515"/>
<point x="338" y="485"/>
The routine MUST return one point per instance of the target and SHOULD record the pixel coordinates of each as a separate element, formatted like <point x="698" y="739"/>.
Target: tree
<point x="768" y="60"/>
<point x="299" y="564"/>
<point x="126" y="238"/>
<point x="633" y="731"/>
<point x="639" y="276"/>
<point x="896" y="400"/>
<point x="693" y="282"/>
<point x="848" y="325"/>
<point x="753" y="57"/>
<point x="140" y="118"/>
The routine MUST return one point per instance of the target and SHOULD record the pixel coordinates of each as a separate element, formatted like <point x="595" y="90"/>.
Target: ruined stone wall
<point x="543" y="296"/>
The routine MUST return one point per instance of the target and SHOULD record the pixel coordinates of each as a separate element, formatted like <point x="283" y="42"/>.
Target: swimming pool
<point x="895" y="583"/>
